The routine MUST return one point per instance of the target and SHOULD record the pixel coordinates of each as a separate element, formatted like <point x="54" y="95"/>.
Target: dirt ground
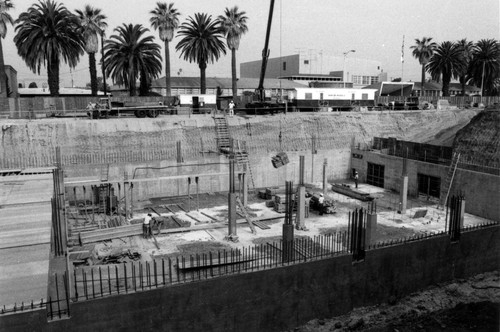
<point x="461" y="305"/>
<point x="390" y="225"/>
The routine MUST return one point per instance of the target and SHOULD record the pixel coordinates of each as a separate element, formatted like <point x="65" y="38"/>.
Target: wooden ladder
<point x="245" y="213"/>
<point x="104" y="173"/>
<point x="241" y="156"/>
<point x="448" y="181"/>
<point x="223" y="137"/>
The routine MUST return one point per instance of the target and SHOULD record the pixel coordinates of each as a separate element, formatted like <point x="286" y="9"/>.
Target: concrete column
<point x="287" y="254"/>
<point x="231" y="215"/>
<point x="244" y="184"/>
<point x="231" y="201"/>
<point x="301" y="208"/>
<point x="403" y="194"/>
<point x="325" y="183"/>
<point x="371" y="228"/>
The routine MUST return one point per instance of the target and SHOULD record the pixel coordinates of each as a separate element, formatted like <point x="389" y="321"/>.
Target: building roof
<point x="390" y="88"/>
<point x="62" y="91"/>
<point x="225" y="83"/>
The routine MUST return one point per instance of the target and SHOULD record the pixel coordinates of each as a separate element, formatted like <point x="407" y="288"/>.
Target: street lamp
<point x="343" y="69"/>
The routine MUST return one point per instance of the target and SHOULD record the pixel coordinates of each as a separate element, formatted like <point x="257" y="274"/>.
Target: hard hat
<point x="321" y="195"/>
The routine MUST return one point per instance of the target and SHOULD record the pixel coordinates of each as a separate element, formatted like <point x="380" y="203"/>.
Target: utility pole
<point x="343" y="69"/>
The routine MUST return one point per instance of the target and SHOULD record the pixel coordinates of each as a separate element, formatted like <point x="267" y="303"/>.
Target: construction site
<point x="254" y="223"/>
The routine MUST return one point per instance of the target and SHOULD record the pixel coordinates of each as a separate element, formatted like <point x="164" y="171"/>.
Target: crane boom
<point x="265" y="54"/>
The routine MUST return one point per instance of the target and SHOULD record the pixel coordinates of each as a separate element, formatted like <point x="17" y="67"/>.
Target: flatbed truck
<point x="106" y="108"/>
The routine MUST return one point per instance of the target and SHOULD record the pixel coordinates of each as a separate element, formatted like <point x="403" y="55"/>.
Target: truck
<point x="106" y="108"/>
<point x="330" y="99"/>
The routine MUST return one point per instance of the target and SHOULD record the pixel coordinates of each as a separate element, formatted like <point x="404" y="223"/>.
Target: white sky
<point x="374" y="28"/>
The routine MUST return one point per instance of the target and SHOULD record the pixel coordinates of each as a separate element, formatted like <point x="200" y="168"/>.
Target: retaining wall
<point x="481" y="190"/>
<point x="284" y="297"/>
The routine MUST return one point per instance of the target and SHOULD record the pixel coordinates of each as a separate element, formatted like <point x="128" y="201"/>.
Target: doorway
<point x="429" y="185"/>
<point x="375" y="175"/>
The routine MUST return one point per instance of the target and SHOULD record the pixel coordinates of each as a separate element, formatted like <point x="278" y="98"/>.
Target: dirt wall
<point x="25" y="143"/>
<point x="284" y="297"/>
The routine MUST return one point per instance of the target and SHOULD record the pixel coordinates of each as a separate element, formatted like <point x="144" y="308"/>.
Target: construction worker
<point x="231" y="108"/>
<point x="356" y="177"/>
<point x="321" y="200"/>
<point x="146" y="226"/>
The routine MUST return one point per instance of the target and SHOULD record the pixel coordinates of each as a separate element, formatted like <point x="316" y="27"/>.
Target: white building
<point x="307" y="68"/>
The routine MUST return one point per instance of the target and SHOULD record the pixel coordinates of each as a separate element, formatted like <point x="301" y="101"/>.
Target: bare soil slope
<point x="299" y="131"/>
<point x="479" y="141"/>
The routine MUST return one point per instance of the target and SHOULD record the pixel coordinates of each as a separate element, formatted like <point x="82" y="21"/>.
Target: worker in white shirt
<point x="146" y="226"/>
<point x="231" y="108"/>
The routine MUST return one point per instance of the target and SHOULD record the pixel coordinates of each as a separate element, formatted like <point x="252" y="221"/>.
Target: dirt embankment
<point x="298" y="131"/>
<point x="462" y="305"/>
<point x="479" y="141"/>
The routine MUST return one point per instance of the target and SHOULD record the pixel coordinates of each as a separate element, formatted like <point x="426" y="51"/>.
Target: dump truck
<point x="106" y="108"/>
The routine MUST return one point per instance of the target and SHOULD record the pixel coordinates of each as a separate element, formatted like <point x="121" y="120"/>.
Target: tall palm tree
<point x="5" y="6"/>
<point x="234" y="25"/>
<point x="201" y="42"/>
<point x="46" y="34"/>
<point x="423" y="50"/>
<point x="466" y="47"/>
<point x="92" y="25"/>
<point x="129" y="54"/>
<point x="165" y="19"/>
<point x="485" y="65"/>
<point x="447" y="62"/>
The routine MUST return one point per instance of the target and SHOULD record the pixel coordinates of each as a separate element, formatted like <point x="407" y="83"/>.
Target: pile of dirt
<point x="479" y="141"/>
<point x="461" y="305"/>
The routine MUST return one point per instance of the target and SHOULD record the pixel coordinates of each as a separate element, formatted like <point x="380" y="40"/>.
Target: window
<point x="284" y="65"/>
<point x="321" y="96"/>
<point x="429" y="185"/>
<point x="364" y="96"/>
<point x="306" y="62"/>
<point x="375" y="175"/>
<point x="309" y="95"/>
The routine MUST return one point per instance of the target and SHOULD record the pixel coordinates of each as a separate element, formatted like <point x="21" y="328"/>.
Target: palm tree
<point x="165" y="19"/>
<point x="201" y="42"/>
<point x="446" y="62"/>
<point x="423" y="51"/>
<point x="466" y="47"/>
<point x="5" y="18"/>
<point x="485" y="65"/>
<point x="46" y="34"/>
<point x="234" y="25"/>
<point x="129" y="54"/>
<point x="92" y="25"/>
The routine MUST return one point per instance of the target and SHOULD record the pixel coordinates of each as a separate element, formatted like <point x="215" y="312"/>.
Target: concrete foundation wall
<point x="284" y="297"/>
<point x="482" y="191"/>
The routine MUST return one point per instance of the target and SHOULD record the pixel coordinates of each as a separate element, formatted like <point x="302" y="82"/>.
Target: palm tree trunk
<point x="167" y="69"/>
<point x="93" y="74"/>
<point x="462" y="81"/>
<point x="233" y="73"/>
<point x="203" y="79"/>
<point x="131" y="78"/>
<point x="53" y="75"/>
<point x="3" y="77"/>
<point x="446" y="85"/>
<point x="422" y="88"/>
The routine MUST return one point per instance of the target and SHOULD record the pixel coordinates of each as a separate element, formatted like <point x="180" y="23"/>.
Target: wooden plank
<point x="209" y="216"/>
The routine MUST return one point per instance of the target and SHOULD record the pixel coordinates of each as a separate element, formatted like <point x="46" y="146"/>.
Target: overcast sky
<point x="374" y="29"/>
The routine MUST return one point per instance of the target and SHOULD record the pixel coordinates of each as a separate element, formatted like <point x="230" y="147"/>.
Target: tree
<point x="46" y="34"/>
<point x="5" y="18"/>
<point x="201" y="42"/>
<point x="165" y="19"/>
<point x="33" y="85"/>
<point x="447" y="62"/>
<point x="485" y="65"/>
<point x="234" y="25"/>
<point x="423" y="50"/>
<point x="130" y="54"/>
<point x="92" y="25"/>
<point x="466" y="48"/>
<point x="100" y="84"/>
